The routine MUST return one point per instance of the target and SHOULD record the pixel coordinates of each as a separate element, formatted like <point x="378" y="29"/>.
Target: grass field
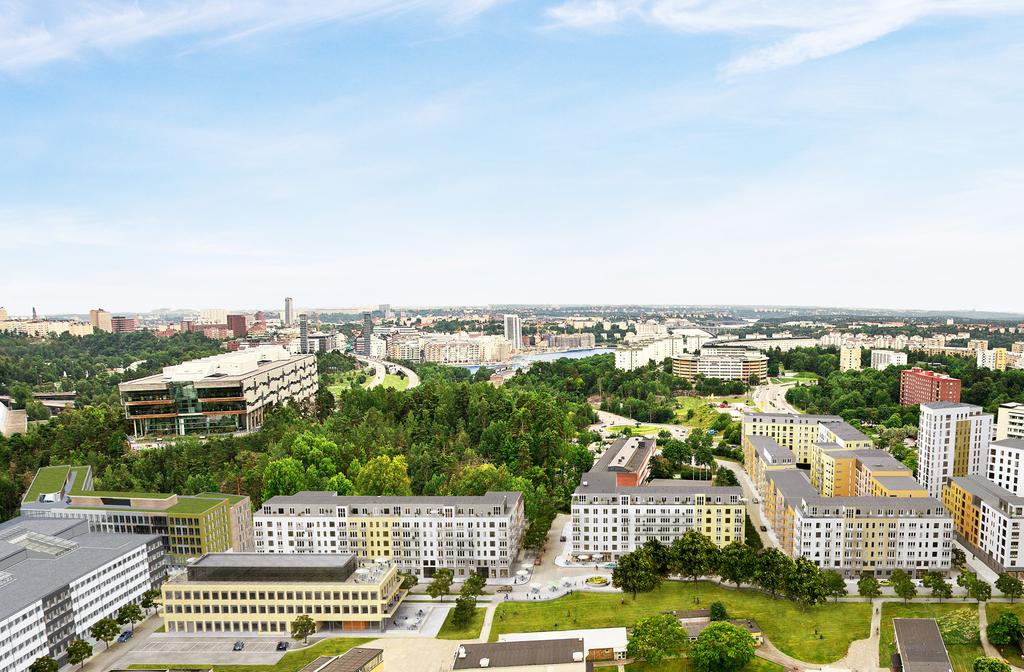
<point x="633" y="429"/>
<point x="962" y="655"/>
<point x="471" y="631"/>
<point x="795" y="377"/>
<point x="704" y="411"/>
<point x="290" y="662"/>
<point x="993" y="610"/>
<point x="395" y="382"/>
<point x="684" y="665"/>
<point x="790" y="627"/>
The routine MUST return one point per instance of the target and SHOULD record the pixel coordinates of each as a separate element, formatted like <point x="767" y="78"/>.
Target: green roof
<point x="234" y="499"/>
<point x="47" y="480"/>
<point x="125" y="494"/>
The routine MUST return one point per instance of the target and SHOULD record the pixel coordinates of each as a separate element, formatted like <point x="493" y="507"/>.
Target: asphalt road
<point x="771" y="398"/>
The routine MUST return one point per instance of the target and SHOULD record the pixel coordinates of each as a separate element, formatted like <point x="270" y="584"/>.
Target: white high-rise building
<point x="514" y="331"/>
<point x="883" y="359"/>
<point x="289" y="311"/>
<point x="1005" y="460"/>
<point x="952" y="440"/>
<point x="213" y="316"/>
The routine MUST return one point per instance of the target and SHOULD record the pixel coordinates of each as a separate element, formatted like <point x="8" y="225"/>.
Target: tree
<point x="105" y="630"/>
<point x="385" y="477"/>
<point x="659" y="555"/>
<point x="79" y="651"/>
<point x="634" y="573"/>
<point x="150" y="599"/>
<point x="771" y="570"/>
<point x="302" y="627"/>
<point x="959" y="558"/>
<point x="965" y="581"/>
<point x="737" y="563"/>
<point x="129" y="613"/>
<point x="722" y="647"/>
<point x="694" y="555"/>
<point x="982" y="664"/>
<point x="409" y="580"/>
<point x="941" y="588"/>
<point x="833" y="584"/>
<point x="656" y="638"/>
<point x="869" y="587"/>
<point x="1005" y="630"/>
<point x="44" y="664"/>
<point x="283" y="477"/>
<point x="462" y="614"/>
<point x="1010" y="586"/>
<point x="804" y="583"/>
<point x="718" y="612"/>
<point x="441" y="583"/>
<point x="903" y="585"/>
<point x="980" y="590"/>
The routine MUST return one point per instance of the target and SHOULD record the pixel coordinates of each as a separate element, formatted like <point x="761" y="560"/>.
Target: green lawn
<point x="993" y="610"/>
<point x="684" y="665"/>
<point x="705" y="410"/>
<point x="633" y="429"/>
<point x="46" y="481"/>
<point x="471" y="631"/>
<point x="962" y="655"/>
<point x="788" y="626"/>
<point x="290" y="662"/>
<point x="395" y="382"/>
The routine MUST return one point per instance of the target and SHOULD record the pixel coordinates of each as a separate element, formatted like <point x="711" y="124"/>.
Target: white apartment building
<point x="1010" y="421"/>
<point x="996" y="359"/>
<point x="468" y="535"/>
<point x="883" y="359"/>
<point x="952" y="440"/>
<point x="514" y="331"/>
<point x="637" y="351"/>
<point x="57" y="579"/>
<point x="1005" y="460"/>
<point x="213" y="316"/>
<point x="989" y="521"/>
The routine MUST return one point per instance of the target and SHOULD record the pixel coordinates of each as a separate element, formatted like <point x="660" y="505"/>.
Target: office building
<point x="1010" y="421"/>
<point x="615" y="509"/>
<point x="120" y="324"/>
<point x="514" y="331"/>
<point x="919" y="646"/>
<point x="918" y="386"/>
<point x="547" y="655"/>
<point x="722" y="363"/>
<point x="238" y="325"/>
<point x="289" y="311"/>
<point x="217" y="316"/>
<point x="995" y="359"/>
<point x="219" y="394"/>
<point x="57" y="579"/>
<point x="367" y="335"/>
<point x="989" y="521"/>
<point x="101" y="320"/>
<point x="883" y="359"/>
<point x="260" y="594"/>
<point x="188" y="525"/>
<point x="849" y="359"/>
<point x="952" y="440"/>
<point x="468" y="535"/>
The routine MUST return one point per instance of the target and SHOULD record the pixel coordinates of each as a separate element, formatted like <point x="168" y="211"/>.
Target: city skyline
<point x="464" y="153"/>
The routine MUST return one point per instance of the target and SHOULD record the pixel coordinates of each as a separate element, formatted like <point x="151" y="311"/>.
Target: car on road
<point x="503" y="589"/>
<point x="239" y="645"/>
<point x="282" y="645"/>
<point x="764" y="528"/>
<point x="611" y="565"/>
<point x="562" y="538"/>
<point x="125" y="636"/>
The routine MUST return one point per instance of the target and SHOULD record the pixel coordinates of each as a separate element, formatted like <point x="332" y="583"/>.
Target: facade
<point x="580" y="341"/>
<point x="797" y="432"/>
<point x="219" y="394"/>
<point x="615" y="510"/>
<point x="849" y="359"/>
<point x="239" y="325"/>
<point x="367" y="336"/>
<point x="213" y="316"/>
<point x="469" y="535"/>
<point x="988" y="521"/>
<point x="640" y="351"/>
<point x="514" y="331"/>
<point x="995" y="359"/>
<point x="188" y="526"/>
<point x="121" y="324"/>
<point x="918" y="386"/>
<point x="952" y="440"/>
<point x="57" y="579"/>
<point x="1004" y="465"/>
<point x="721" y="363"/>
<point x="257" y="594"/>
<point x="883" y="359"/>
<point x="1010" y="421"/>
<point x="289" y="311"/>
<point x="101" y="320"/>
<point x="537" y="655"/>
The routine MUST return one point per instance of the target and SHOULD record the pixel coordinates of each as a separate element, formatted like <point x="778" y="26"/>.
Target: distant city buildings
<point x="918" y="386"/>
<point x="579" y="341"/>
<point x="952" y="440"/>
<point x="996" y="359"/>
<point x="722" y="363"/>
<point x="101" y="320"/>
<point x="120" y="324"/>
<point x="213" y="316"/>
<point x="883" y="359"/>
<point x="638" y="351"/>
<point x="289" y="311"/>
<point x="514" y="331"/>
<point x="238" y="325"/>
<point x="849" y="359"/>
<point x="223" y="393"/>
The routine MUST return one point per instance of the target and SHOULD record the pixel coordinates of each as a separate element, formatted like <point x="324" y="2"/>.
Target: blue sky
<point x="219" y="153"/>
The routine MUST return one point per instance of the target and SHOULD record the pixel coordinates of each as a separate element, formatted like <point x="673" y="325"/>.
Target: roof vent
<point x="462" y="652"/>
<point x="577" y="656"/>
<point x="585" y="484"/>
<point x="485" y="662"/>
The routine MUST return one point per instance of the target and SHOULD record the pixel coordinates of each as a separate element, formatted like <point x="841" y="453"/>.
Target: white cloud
<point x="809" y="29"/>
<point x="35" y="32"/>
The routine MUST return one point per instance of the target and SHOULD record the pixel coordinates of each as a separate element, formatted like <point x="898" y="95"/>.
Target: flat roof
<point x="593" y="638"/>
<point x="220" y="370"/>
<point x="920" y="645"/>
<point x="276" y="568"/>
<point x="353" y="660"/>
<point x="323" y="497"/>
<point x="536" y="652"/>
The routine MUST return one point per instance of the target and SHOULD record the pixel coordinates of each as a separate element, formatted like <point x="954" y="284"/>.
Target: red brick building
<point x="918" y="386"/>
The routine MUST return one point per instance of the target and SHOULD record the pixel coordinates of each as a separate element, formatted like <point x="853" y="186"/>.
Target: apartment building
<point x="952" y="440"/>
<point x="918" y="386"/>
<point x="1010" y="421"/>
<point x="220" y="394"/>
<point x="260" y="594"/>
<point x="57" y="579"/>
<point x="988" y="521"/>
<point x="188" y="525"/>
<point x="722" y="363"/>
<point x="514" y="331"/>
<point x="1004" y="463"/>
<point x="864" y="472"/>
<point x="849" y="359"/>
<point x="640" y="350"/>
<point x="799" y="432"/>
<point x="883" y="359"/>
<point x="995" y="359"/>
<point x="101" y="320"/>
<point x="615" y="510"/>
<point x="469" y="535"/>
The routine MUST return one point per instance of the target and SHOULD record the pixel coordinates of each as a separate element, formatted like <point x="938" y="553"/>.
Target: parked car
<point x="504" y="589"/>
<point x="125" y="636"/>
<point x="282" y="645"/>
<point x="764" y="528"/>
<point x="562" y="538"/>
<point x="611" y="565"/>
<point x="239" y="645"/>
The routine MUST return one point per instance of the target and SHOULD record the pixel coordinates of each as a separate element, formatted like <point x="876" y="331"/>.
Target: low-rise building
<point x="599" y="643"/>
<point x="469" y="535"/>
<point x="358" y="659"/>
<point x="919" y="646"/>
<point x="883" y="359"/>
<point x="988" y="521"/>
<point x="57" y="579"/>
<point x="549" y="655"/>
<point x="261" y="594"/>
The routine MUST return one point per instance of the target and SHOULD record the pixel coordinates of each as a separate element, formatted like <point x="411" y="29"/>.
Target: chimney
<point x="462" y="652"/>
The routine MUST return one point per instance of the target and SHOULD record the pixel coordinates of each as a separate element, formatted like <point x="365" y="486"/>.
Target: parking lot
<point x="162" y="649"/>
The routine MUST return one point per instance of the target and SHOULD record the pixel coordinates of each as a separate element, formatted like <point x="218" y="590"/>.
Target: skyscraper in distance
<point x="304" y="333"/>
<point x="514" y="331"/>
<point x="367" y="334"/>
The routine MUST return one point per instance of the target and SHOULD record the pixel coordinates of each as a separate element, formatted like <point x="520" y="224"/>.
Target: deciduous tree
<point x="656" y="638"/>
<point x="722" y="647"/>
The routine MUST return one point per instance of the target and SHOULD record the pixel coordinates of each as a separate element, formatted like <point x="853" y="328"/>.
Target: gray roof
<point x="353" y="660"/>
<point x="987" y="491"/>
<point x="794" y="486"/>
<point x="940" y="405"/>
<point x="273" y="567"/>
<point x="767" y="447"/>
<point x="845" y="430"/>
<point x="33" y="574"/>
<point x="1017" y="444"/>
<point x="920" y="645"/>
<point x="540" y="653"/>
<point x="634" y="451"/>
<point x="275" y="560"/>
<point x="327" y="498"/>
